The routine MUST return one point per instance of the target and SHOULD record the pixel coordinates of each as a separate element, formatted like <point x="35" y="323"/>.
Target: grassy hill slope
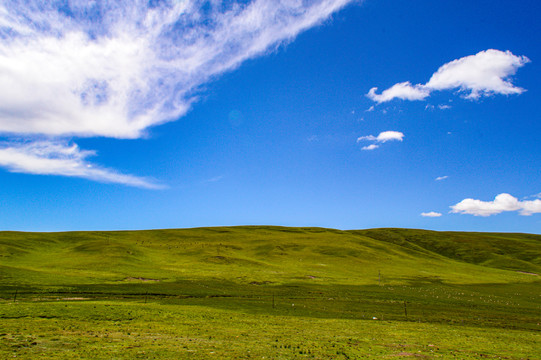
<point x="519" y="252"/>
<point x="273" y="292"/>
<point x="263" y="254"/>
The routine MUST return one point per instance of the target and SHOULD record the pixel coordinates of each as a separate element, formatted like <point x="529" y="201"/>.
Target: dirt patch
<point x="140" y="279"/>
<point x="260" y="282"/>
<point x="528" y="273"/>
<point x="410" y="355"/>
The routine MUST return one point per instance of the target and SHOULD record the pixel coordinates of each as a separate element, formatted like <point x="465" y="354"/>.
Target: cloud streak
<point x="114" y="69"/>
<point x="502" y="202"/>
<point x="483" y="74"/>
<point x="431" y="214"/>
<point x="48" y="158"/>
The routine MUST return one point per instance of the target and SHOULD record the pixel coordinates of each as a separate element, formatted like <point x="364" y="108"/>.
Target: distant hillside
<point x="266" y="254"/>
<point x="498" y="250"/>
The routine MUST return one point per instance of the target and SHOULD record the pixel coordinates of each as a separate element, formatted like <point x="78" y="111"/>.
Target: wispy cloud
<point x="370" y="147"/>
<point x="483" y="74"/>
<point x="431" y="214"/>
<point x="49" y="158"/>
<point x="381" y="138"/>
<point x="440" y="178"/>
<point x="534" y="196"/>
<point x="404" y="91"/>
<point x="116" y="68"/>
<point x="502" y="202"/>
<point x="214" y="179"/>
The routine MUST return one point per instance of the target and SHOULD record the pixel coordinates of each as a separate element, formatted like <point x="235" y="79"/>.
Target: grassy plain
<point x="270" y="292"/>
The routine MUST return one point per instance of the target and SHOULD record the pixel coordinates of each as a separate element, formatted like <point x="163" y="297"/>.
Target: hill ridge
<point x="268" y="254"/>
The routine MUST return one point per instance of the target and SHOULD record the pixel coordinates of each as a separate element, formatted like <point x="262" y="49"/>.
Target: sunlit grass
<point x="269" y="292"/>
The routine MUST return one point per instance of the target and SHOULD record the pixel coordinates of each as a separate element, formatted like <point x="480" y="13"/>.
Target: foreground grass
<point x="268" y="292"/>
<point x="125" y="330"/>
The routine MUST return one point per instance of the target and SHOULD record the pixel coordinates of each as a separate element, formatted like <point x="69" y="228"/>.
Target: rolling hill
<point x="272" y="254"/>
<point x="273" y="292"/>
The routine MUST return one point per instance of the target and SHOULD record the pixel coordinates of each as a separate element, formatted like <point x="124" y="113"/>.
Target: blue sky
<point x="168" y="114"/>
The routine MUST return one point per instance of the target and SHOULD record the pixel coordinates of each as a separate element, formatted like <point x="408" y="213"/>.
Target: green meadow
<point x="266" y="292"/>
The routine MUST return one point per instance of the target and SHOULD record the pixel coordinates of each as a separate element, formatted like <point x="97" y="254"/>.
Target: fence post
<point x="406" y="310"/>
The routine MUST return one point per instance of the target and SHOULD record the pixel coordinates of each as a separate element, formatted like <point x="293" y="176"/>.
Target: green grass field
<point x="270" y="292"/>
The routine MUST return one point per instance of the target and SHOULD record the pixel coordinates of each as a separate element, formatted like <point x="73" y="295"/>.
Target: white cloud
<point x="534" y="196"/>
<point x="530" y="207"/>
<point x="370" y="147"/>
<point x="389" y="136"/>
<point x="135" y="65"/>
<point x="404" y="91"/>
<point x="368" y="138"/>
<point x="439" y="178"/>
<point x="483" y="74"/>
<point x="502" y="202"/>
<point x="116" y="68"/>
<point x="444" y="107"/>
<point x="431" y="214"/>
<point x="538" y="196"/>
<point x="381" y="138"/>
<point x="50" y="158"/>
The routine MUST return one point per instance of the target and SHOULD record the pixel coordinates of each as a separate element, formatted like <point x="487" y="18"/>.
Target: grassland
<point x="270" y="292"/>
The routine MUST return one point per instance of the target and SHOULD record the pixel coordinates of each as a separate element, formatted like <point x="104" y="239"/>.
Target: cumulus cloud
<point x="389" y="136"/>
<point x="431" y="214"/>
<point x="381" y="138"/>
<point x="50" y="158"/>
<point x="116" y="68"/>
<point x="483" y="74"/>
<point x="502" y="202"/>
